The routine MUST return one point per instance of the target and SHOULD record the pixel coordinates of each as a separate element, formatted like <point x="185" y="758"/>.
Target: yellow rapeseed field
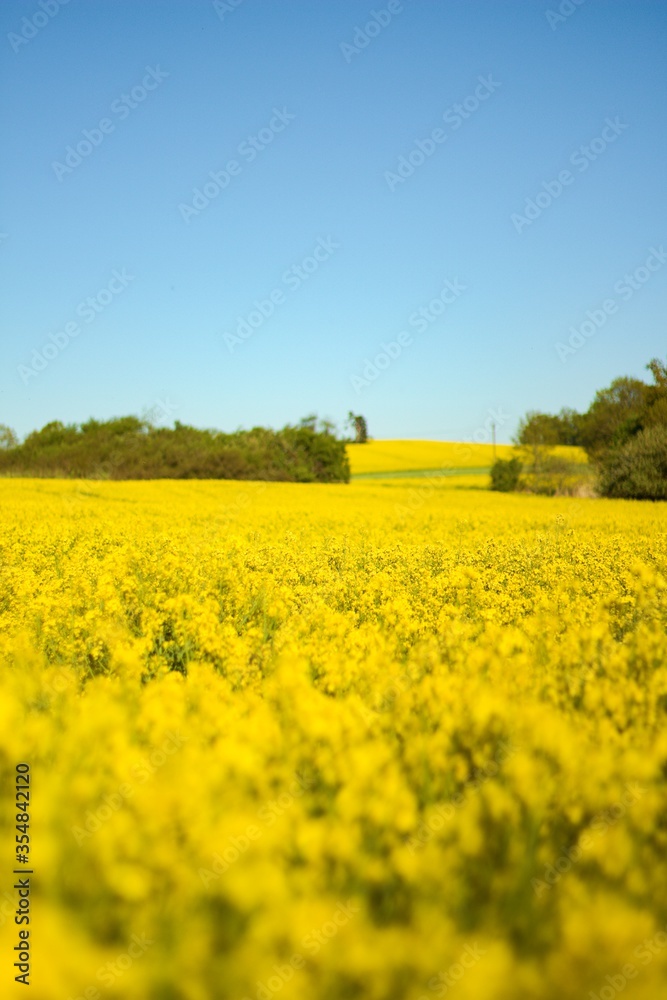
<point x="384" y="457"/>
<point x="402" y="456"/>
<point x="384" y="740"/>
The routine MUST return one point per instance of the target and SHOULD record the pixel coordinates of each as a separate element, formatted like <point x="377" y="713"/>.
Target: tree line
<point x="133" y="448"/>
<point x="623" y="432"/>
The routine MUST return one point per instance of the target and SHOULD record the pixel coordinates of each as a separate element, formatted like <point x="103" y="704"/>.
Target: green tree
<point x="8" y="438"/>
<point x="659" y="371"/>
<point x="569" y="427"/>
<point x="548" y="430"/>
<point x="360" y="427"/>
<point x="656" y="395"/>
<point x="615" y="415"/>
<point x="537" y="433"/>
<point x="638" y="469"/>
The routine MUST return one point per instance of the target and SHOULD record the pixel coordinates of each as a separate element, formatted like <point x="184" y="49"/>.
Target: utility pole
<point x="493" y="432"/>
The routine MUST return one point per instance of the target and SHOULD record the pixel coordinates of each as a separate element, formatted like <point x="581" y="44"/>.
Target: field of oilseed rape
<point x="331" y="742"/>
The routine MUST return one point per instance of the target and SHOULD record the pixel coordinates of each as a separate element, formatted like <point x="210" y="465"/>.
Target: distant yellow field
<point x="404" y="456"/>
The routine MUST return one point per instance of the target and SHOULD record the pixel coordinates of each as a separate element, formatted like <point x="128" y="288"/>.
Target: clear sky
<point x="374" y="165"/>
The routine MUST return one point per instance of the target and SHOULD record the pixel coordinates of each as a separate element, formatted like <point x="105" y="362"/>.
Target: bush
<point x="638" y="470"/>
<point x="129" y="448"/>
<point x="505" y="474"/>
<point x="555" y="476"/>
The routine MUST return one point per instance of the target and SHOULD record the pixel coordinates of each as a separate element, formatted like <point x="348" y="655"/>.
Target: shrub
<point x="129" y="448"/>
<point x="638" y="470"/>
<point x="505" y="474"/>
<point x="557" y="476"/>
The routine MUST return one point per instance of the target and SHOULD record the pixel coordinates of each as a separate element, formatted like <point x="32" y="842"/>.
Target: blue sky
<point x="375" y="166"/>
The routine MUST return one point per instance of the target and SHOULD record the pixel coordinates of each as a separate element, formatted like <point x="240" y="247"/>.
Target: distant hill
<point x="406" y="458"/>
<point x="401" y="457"/>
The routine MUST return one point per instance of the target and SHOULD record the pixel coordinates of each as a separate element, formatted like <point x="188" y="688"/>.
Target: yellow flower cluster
<point x="365" y="742"/>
